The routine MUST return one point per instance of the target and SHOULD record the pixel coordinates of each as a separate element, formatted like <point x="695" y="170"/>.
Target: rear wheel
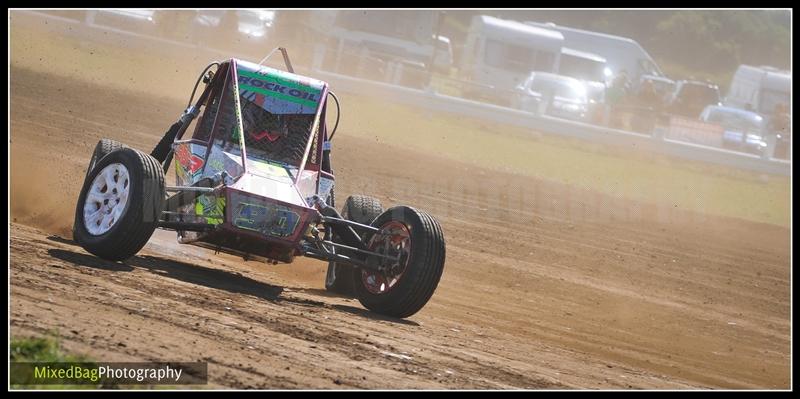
<point x="404" y="286"/>
<point x="120" y="204"/>
<point x="103" y="148"/>
<point x="360" y="209"/>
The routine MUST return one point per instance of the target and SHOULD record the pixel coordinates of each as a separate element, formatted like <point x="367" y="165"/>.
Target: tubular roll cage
<point x="352" y="250"/>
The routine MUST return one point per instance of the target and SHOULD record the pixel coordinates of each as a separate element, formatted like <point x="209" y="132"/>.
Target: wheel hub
<point x="393" y="240"/>
<point x="106" y="199"/>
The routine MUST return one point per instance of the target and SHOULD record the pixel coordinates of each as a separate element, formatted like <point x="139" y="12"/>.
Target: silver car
<point x="743" y="130"/>
<point x="555" y="95"/>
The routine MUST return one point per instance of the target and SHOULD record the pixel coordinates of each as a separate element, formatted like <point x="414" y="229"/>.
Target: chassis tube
<point x="346" y="234"/>
<point x="330" y="220"/>
<point x="362" y="251"/>
<point x="163" y="151"/>
<point x="334" y="257"/>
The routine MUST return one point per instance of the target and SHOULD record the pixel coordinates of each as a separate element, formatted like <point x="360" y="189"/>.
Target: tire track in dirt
<point x="329" y="336"/>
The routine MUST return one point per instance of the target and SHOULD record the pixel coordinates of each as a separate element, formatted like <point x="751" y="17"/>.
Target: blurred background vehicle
<point x="691" y="97"/>
<point x="555" y="95"/>
<point x="765" y="90"/>
<point x="759" y="89"/>
<point x="743" y="130"/>
<point x="663" y="86"/>
<point x="620" y="53"/>
<point x="583" y="65"/>
<point x="500" y="54"/>
<point x="590" y="69"/>
<point x="243" y="30"/>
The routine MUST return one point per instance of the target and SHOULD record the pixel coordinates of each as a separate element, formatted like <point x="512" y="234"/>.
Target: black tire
<point x="103" y="148"/>
<point x="360" y="209"/>
<point x="140" y="216"/>
<point x="423" y="270"/>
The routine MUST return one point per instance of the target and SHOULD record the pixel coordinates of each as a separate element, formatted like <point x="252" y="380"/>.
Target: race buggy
<point x="255" y="180"/>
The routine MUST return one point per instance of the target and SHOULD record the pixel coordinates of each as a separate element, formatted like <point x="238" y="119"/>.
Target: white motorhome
<point x="582" y="65"/>
<point x="587" y="67"/>
<point x="621" y="53"/>
<point x="759" y="89"/>
<point x="500" y="54"/>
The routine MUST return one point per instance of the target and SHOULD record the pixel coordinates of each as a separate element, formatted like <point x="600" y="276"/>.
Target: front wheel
<point x="415" y="239"/>
<point x="120" y="204"/>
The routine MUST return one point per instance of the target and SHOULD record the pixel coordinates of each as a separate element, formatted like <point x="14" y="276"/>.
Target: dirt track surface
<point x="611" y="294"/>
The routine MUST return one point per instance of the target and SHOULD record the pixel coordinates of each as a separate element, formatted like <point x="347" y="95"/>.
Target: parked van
<point x="621" y="53"/>
<point x="759" y="89"/>
<point x="582" y="65"/>
<point x="500" y="54"/>
<point x="587" y="67"/>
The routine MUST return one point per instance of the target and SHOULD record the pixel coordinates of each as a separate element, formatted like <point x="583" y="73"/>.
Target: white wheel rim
<point x="106" y="199"/>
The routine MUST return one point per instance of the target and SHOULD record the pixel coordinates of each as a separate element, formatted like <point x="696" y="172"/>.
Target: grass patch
<point x="45" y="349"/>
<point x="638" y="175"/>
<point x="48" y="350"/>
<point x="41" y="349"/>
